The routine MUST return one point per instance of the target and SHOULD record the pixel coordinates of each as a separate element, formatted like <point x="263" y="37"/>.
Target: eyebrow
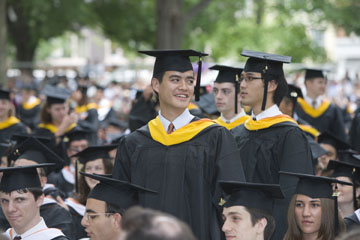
<point x="233" y="213"/>
<point x="90" y="211"/>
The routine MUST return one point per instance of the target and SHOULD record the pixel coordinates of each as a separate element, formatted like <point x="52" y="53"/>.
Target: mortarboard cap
<point x="176" y="60"/>
<point x="32" y="149"/>
<point x="4" y="148"/>
<point x="76" y="134"/>
<point x="294" y="92"/>
<point x="267" y="64"/>
<point x="94" y="152"/>
<point x="334" y="141"/>
<point x="15" y="178"/>
<point x="117" y="192"/>
<point x="251" y="195"/>
<point x="313" y="73"/>
<point x="115" y="122"/>
<point x="316" y="149"/>
<point x="55" y="94"/>
<point x="4" y="94"/>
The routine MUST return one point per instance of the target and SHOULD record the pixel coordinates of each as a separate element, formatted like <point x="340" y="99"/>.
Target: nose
<point x="84" y="222"/>
<point x="11" y="207"/>
<point x="226" y="228"/>
<point x="306" y="211"/>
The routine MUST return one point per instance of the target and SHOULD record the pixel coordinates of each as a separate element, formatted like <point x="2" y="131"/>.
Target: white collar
<point x="270" y="112"/>
<point x="357" y="213"/>
<point x="179" y="122"/>
<point x="309" y="101"/>
<point x="237" y="116"/>
<point x="41" y="225"/>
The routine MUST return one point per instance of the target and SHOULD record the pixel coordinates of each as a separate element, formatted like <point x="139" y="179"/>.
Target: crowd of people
<point x="254" y="158"/>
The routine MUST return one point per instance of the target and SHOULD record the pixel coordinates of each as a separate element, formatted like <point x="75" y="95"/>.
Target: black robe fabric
<point x="330" y="121"/>
<point x="351" y="222"/>
<point x="6" y="133"/>
<point x="265" y="152"/>
<point x="185" y="175"/>
<point x="30" y="117"/>
<point x="57" y="178"/>
<point x="141" y="113"/>
<point x="90" y="123"/>
<point x="78" y="230"/>
<point x="354" y="133"/>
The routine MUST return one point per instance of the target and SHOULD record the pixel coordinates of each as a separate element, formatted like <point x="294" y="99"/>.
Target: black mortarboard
<point x="15" y="178"/>
<point x="19" y="138"/>
<point x="176" y="60"/>
<point x="349" y="156"/>
<point x="294" y="92"/>
<point x="346" y="169"/>
<point x="117" y="123"/>
<point x="316" y="149"/>
<point x="55" y="94"/>
<point x="313" y="73"/>
<point x="94" y="152"/>
<point x="251" y="195"/>
<point x="267" y="64"/>
<point x="231" y="75"/>
<point x="4" y="94"/>
<point x="32" y="149"/>
<point x="77" y="134"/>
<point x="318" y="187"/>
<point x="117" y="192"/>
<point x="334" y="141"/>
<point x="4" y="148"/>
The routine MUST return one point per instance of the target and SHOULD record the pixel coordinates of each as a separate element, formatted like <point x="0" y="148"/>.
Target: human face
<point x="224" y="94"/>
<point x="77" y="146"/>
<point x="345" y="191"/>
<point x="21" y="210"/>
<point x="238" y="225"/>
<point x="286" y="106"/>
<point x="5" y="106"/>
<point x="57" y="112"/>
<point x="308" y="214"/>
<point x="95" y="166"/>
<point x="99" y="225"/>
<point x="331" y="155"/>
<point x="251" y="89"/>
<point x="175" y="91"/>
<point x="316" y="87"/>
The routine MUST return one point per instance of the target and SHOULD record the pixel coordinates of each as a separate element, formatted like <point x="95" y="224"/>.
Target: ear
<point x="272" y="86"/>
<point x="357" y="192"/>
<point x="117" y="220"/>
<point x="40" y="200"/>
<point x="261" y="225"/>
<point x="155" y="84"/>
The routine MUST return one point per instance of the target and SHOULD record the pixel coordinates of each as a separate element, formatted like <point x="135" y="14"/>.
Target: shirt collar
<point x="270" y="112"/>
<point x="179" y="122"/>
<point x="309" y="101"/>
<point x="237" y="116"/>
<point x="41" y="225"/>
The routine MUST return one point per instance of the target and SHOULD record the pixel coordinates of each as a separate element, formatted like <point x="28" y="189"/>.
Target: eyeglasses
<point x="248" y="79"/>
<point x="91" y="216"/>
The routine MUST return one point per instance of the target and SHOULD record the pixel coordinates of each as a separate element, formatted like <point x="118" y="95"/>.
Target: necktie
<point x="170" y="128"/>
<point x="314" y="104"/>
<point x="17" y="238"/>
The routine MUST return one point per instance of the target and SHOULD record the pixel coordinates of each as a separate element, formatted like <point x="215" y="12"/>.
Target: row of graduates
<point x="184" y="165"/>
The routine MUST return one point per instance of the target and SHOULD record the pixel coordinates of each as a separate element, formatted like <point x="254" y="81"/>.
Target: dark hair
<point x="159" y="76"/>
<point x="45" y="116"/>
<point x="256" y="215"/>
<point x="354" y="234"/>
<point x="84" y="189"/>
<point x="282" y="87"/>
<point x="112" y="208"/>
<point x="84" y="98"/>
<point x="35" y="191"/>
<point x="142" y="223"/>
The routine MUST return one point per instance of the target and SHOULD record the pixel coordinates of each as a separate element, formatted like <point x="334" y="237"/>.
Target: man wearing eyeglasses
<point x="270" y="141"/>
<point x="106" y="204"/>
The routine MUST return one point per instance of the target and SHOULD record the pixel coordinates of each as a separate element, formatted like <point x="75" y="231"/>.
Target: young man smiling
<point x="226" y="94"/>
<point x="178" y="155"/>
<point x="270" y="141"/>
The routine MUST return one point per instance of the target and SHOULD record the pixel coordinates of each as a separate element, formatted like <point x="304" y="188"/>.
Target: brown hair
<point x="256" y="215"/>
<point x="45" y="116"/>
<point x="326" y="231"/>
<point x="84" y="189"/>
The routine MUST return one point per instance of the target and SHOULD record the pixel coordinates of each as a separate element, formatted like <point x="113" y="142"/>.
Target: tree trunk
<point x="3" y="43"/>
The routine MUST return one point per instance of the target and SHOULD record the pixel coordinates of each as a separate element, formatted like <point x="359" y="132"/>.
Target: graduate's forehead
<point x="186" y="74"/>
<point x="240" y="210"/>
<point x="95" y="205"/>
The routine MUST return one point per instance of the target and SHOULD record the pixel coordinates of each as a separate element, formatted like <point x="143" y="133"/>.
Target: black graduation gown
<point x="6" y="133"/>
<point x="351" y="222"/>
<point x="29" y="116"/>
<point x="91" y="123"/>
<point x="57" y="178"/>
<point x="354" y="133"/>
<point x="185" y="175"/>
<point x="78" y="230"/>
<point x="265" y="152"/>
<point x="141" y="113"/>
<point x="330" y="121"/>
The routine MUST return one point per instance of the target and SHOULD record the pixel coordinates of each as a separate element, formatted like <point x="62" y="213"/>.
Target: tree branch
<point x="196" y="9"/>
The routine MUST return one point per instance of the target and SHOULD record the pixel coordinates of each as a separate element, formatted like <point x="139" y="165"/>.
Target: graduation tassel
<point x="76" y="177"/>
<point x="198" y="80"/>
<point x="264" y="76"/>
<point x="335" y="195"/>
<point x="236" y="92"/>
<point x="354" y="189"/>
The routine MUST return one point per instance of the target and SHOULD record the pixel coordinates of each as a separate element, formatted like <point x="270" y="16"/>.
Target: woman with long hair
<point x="312" y="212"/>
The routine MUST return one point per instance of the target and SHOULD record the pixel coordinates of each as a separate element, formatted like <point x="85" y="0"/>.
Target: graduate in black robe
<point x="319" y="112"/>
<point x="8" y="123"/>
<point x="29" y="110"/>
<point x="354" y="133"/>
<point x="270" y="141"/>
<point x="184" y="165"/>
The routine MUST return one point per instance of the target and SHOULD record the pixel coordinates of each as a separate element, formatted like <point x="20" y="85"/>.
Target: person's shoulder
<point x="61" y="238"/>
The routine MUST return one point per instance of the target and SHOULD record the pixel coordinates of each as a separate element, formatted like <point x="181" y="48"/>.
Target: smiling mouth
<point x="182" y="96"/>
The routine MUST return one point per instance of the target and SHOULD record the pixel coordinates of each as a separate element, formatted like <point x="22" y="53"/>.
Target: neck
<point x="3" y="118"/>
<point x="171" y="114"/>
<point x="346" y="209"/>
<point x="310" y="236"/>
<point x="35" y="220"/>
<point x="56" y="123"/>
<point x="312" y="95"/>
<point x="229" y="115"/>
<point x="257" y="109"/>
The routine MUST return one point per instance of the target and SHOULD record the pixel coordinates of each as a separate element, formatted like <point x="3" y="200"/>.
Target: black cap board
<point x="251" y="195"/>
<point x="120" y="193"/>
<point x="55" y="95"/>
<point x="4" y="148"/>
<point x="94" y="152"/>
<point x="231" y="75"/>
<point x="32" y="149"/>
<point x="350" y="156"/>
<point x="15" y="178"/>
<point x="316" y="149"/>
<point x="329" y="138"/>
<point x="77" y="134"/>
<point x="294" y="92"/>
<point x="4" y="94"/>
<point x="311" y="73"/>
<point x="176" y="60"/>
<point x="267" y="64"/>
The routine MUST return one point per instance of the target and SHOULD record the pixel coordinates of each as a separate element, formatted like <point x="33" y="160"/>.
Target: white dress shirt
<point x="310" y="101"/>
<point x="270" y="112"/>
<point x="179" y="122"/>
<point x="237" y="116"/>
